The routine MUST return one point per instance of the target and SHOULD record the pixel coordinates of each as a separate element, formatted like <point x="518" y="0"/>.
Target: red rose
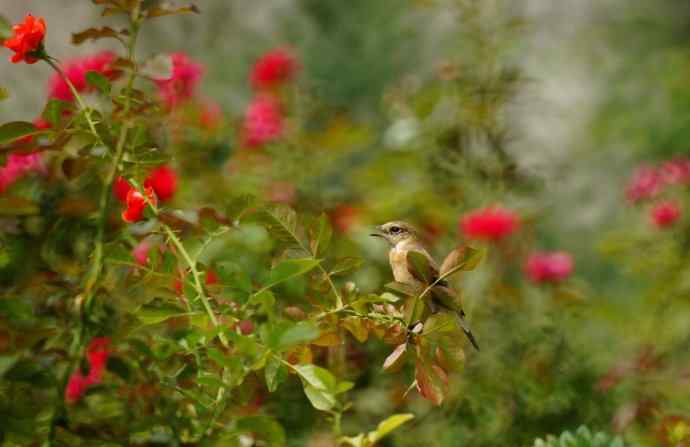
<point x="97" y="354"/>
<point x="273" y="68"/>
<point x="137" y="203"/>
<point x="645" y="183"/>
<point x="121" y="188"/>
<point x="549" y="267"/>
<point x="493" y="223"/>
<point x="665" y="214"/>
<point x="163" y="180"/>
<point x="182" y="85"/>
<point x="27" y="40"/>
<point x="263" y="122"/>
<point x="75" y="70"/>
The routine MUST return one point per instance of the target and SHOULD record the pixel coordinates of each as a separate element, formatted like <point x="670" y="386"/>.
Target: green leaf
<point x="420" y="267"/>
<point x="5" y="28"/>
<point x="281" y="223"/>
<point x="53" y="111"/>
<point x="405" y="289"/>
<point x="462" y="258"/>
<point x="317" y="377"/>
<point x="16" y="129"/>
<point x="265" y="427"/>
<point x="119" y="367"/>
<point x="149" y="315"/>
<point x="345" y="265"/>
<point x="284" y="335"/>
<point x="289" y="269"/>
<point x="275" y="373"/>
<point x="6" y="362"/>
<point x="265" y="300"/>
<point x="320" y="399"/>
<point x="99" y="82"/>
<point x="4" y="93"/>
<point x="388" y="425"/>
<point x="321" y="235"/>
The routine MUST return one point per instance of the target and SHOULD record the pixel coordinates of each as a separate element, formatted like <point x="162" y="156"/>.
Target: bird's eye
<point x="396" y="230"/>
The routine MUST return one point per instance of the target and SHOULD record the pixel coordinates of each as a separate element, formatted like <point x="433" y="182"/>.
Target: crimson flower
<point x="492" y="223"/>
<point x="163" y="181"/>
<point x="646" y="182"/>
<point x="97" y="354"/>
<point x="137" y="203"/>
<point x="665" y="214"/>
<point x="76" y="69"/>
<point x="121" y="188"/>
<point x="17" y="166"/>
<point x="211" y="277"/>
<point x="676" y="172"/>
<point x="27" y="40"/>
<point x="184" y="81"/>
<point x="263" y="122"/>
<point x="273" y="68"/>
<point x="549" y="267"/>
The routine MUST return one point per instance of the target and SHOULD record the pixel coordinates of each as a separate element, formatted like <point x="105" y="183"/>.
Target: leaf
<point x="18" y="206"/>
<point x="345" y="265"/>
<point x="149" y="315"/>
<point x="302" y="332"/>
<point x="160" y="11"/>
<point x="16" y="129"/>
<point x="280" y="222"/>
<point x="158" y="68"/>
<point x="4" y="93"/>
<point x="420" y="267"/>
<point x="320" y="399"/>
<point x="461" y="258"/>
<point x="289" y="269"/>
<point x="317" y="377"/>
<point x="53" y="111"/>
<point x="98" y="81"/>
<point x="5" y="28"/>
<point x="429" y="385"/>
<point x="396" y="359"/>
<point x="321" y="235"/>
<point x="275" y="373"/>
<point x="327" y="339"/>
<point x="405" y="289"/>
<point x="388" y="425"/>
<point x="265" y="427"/>
<point x="357" y="327"/>
<point x="97" y="33"/>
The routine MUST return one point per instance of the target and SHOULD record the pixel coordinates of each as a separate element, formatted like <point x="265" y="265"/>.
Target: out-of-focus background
<point x="425" y="110"/>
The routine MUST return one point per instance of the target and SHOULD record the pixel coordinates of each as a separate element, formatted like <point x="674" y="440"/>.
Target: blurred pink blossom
<point x="549" y="267"/>
<point x="140" y="253"/>
<point x="665" y="214"/>
<point x="645" y="183"/>
<point x="19" y="165"/>
<point x="263" y="122"/>
<point x="183" y="83"/>
<point x="492" y="223"/>
<point x="97" y="354"/>
<point x="676" y="172"/>
<point x="76" y="70"/>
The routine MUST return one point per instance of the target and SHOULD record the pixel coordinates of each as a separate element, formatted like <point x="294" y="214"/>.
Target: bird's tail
<point x="466" y="329"/>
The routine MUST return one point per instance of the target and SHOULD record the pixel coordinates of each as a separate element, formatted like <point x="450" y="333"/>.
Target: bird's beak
<point x="378" y="233"/>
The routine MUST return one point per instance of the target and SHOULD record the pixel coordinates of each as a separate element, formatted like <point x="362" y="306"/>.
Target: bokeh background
<point x="424" y="110"/>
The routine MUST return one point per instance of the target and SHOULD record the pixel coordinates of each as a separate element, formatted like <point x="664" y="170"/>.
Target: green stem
<point x="198" y="287"/>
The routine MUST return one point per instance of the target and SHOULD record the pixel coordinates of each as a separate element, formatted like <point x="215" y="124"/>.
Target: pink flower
<point x="549" y="267"/>
<point x="645" y="183"/>
<point x="492" y="223"/>
<point x="19" y="165"/>
<point x="263" y="122"/>
<point x="273" y="68"/>
<point x="665" y="214"/>
<point x="163" y="180"/>
<point x="184" y="81"/>
<point x="140" y="253"/>
<point x="76" y="386"/>
<point x="76" y="70"/>
<point x="676" y="172"/>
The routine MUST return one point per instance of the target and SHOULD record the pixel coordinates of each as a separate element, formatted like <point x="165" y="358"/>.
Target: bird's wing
<point x="426" y="277"/>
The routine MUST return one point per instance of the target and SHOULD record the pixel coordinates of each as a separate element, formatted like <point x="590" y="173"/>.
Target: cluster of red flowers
<point x="183" y="84"/>
<point x="160" y="184"/>
<point x="263" y="122"/>
<point x="27" y="40"/>
<point x="496" y="223"/>
<point x="97" y="354"/>
<point x="75" y="70"/>
<point x="649" y="182"/>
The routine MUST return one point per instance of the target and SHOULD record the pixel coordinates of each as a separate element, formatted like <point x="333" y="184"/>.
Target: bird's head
<point x="396" y="232"/>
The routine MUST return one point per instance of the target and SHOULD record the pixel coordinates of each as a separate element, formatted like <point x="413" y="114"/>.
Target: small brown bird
<point x="404" y="238"/>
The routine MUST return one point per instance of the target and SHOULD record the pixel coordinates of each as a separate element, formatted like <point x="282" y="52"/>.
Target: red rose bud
<point x="549" y="267"/>
<point x="273" y="68"/>
<point x="211" y="278"/>
<point x="665" y="214"/>
<point x="493" y="223"/>
<point x="27" y="40"/>
<point x="163" y="180"/>
<point x="137" y="203"/>
<point x="246" y="327"/>
<point x="121" y="188"/>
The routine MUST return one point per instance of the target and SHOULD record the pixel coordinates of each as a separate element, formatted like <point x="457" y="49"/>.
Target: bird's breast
<point x="398" y="261"/>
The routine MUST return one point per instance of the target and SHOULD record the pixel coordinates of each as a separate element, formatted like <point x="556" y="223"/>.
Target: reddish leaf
<point x="430" y="386"/>
<point x="97" y="33"/>
<point x="160" y="11"/>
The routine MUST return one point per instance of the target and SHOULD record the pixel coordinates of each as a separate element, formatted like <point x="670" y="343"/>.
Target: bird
<point x="403" y="239"/>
